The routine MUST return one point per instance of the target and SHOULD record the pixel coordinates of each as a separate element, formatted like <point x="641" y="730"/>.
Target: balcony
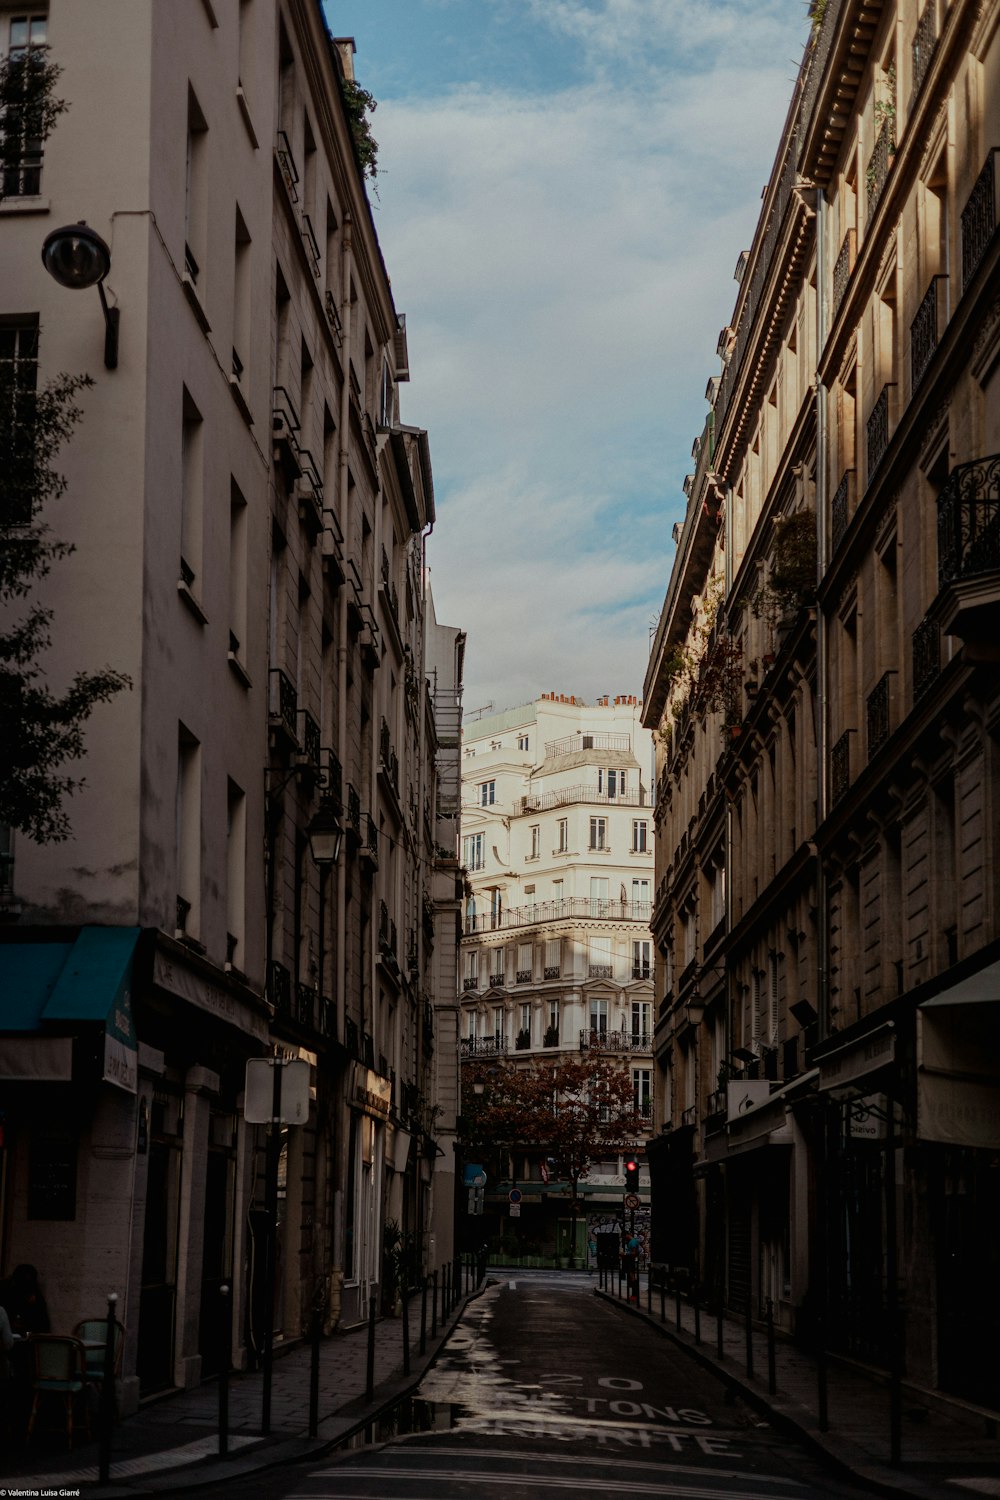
<point x="471" y="982"/>
<point x="879" y="163"/>
<point x="484" y="1046"/>
<point x="575" y="908"/>
<point x="279" y="988"/>
<point x="969" y="549"/>
<point x="642" y="971"/>
<point x="368" y="850"/>
<point x="615" y="1041"/>
<point x="925" y="330"/>
<point x="926" y="656"/>
<point x="551" y="971"/>
<point x="305" y="1005"/>
<point x="567" y="795"/>
<point x="333" y="318"/>
<point x="286" y="165"/>
<point x="878" y="429"/>
<point x="522" y="976"/>
<point x="331" y="776"/>
<point x="572" y="744"/>
<point x="842" y="268"/>
<point x="979" y="219"/>
<point x="309" y="739"/>
<point x="922" y="48"/>
<point x="285" y="428"/>
<point x="600" y="971"/>
<point x="496" y="981"/>
<point x="840" y="766"/>
<point x="283" y="707"/>
<point x="877" y="714"/>
<point x="353" y="813"/>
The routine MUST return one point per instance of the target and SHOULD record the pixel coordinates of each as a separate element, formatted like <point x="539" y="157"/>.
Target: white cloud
<point x="565" y="264"/>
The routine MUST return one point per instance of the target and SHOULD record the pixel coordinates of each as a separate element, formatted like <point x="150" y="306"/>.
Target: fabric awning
<point x="50" y="990"/>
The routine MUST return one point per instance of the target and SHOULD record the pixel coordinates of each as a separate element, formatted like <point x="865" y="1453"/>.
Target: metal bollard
<point x="677" y="1306"/>
<point x="720" y="1352"/>
<point x="434" y="1305"/>
<point x="445" y="1289"/>
<point x="107" y="1410"/>
<point x="423" y="1316"/>
<point x="315" y="1330"/>
<point x="663" y="1300"/>
<point x="749" y="1332"/>
<point x="225" y="1342"/>
<point x="772" y="1380"/>
<point x="697" y="1317"/>
<point x="370" y="1376"/>
<point x="406" y="1330"/>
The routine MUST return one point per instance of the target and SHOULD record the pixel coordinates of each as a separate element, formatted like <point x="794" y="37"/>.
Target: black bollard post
<point x="107" y="1410"/>
<point x="315" y="1330"/>
<point x="697" y="1317"/>
<point x="370" y="1375"/>
<point x="720" y="1352"/>
<point x="434" y="1305"/>
<point x="677" y="1305"/>
<point x="458" y="1267"/>
<point x="749" y="1331"/>
<point x="225" y="1349"/>
<point x="423" y="1316"/>
<point x="406" y="1328"/>
<point x="663" y="1299"/>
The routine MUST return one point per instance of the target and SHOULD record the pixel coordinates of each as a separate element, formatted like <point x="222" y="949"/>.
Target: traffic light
<point x="631" y="1175"/>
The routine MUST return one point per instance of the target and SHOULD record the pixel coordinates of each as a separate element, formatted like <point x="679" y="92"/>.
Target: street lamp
<point x="326" y="835"/>
<point x="77" y="257"/>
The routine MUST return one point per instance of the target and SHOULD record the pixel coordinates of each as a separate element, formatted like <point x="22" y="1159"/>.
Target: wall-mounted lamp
<point x="76" y="257"/>
<point x="326" y="835"/>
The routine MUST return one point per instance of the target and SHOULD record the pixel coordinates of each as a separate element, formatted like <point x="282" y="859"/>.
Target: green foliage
<point x="792" y="581"/>
<point x="28" y="109"/>
<point x="359" y="104"/>
<point x="39" y="730"/>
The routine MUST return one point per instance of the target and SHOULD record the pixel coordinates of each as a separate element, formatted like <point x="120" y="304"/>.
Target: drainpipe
<point x="822" y="643"/>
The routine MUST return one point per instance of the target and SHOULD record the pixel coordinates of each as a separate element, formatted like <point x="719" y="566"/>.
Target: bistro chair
<point x="60" y="1370"/>
<point x="93" y="1335"/>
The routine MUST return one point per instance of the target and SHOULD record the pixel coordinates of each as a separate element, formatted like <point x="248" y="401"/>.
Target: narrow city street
<point x="543" y="1387"/>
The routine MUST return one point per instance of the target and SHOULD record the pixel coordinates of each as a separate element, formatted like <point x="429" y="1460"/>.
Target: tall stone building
<point x="249" y="515"/>
<point x="824" y="689"/>
<point x="556" y="953"/>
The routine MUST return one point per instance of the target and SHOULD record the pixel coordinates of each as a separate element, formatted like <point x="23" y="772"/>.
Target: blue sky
<point x="564" y="189"/>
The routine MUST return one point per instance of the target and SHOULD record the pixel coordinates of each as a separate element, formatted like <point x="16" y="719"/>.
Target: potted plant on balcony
<point x="523" y="1039"/>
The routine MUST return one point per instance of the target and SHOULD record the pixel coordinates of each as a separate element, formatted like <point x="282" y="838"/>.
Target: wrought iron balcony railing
<point x="600" y="971"/>
<point x="840" y="766"/>
<point x="570" y="744"/>
<point x="842" y="268"/>
<point x="878" y="429"/>
<point x="310" y="740"/>
<point x="615" y="1041"/>
<point x="969" y="521"/>
<point x="922" y="48"/>
<point x="926" y="656"/>
<point x="470" y="982"/>
<point x="925" y="329"/>
<point x="283" y="708"/>
<point x="484" y="1046"/>
<point x="877" y="714"/>
<point x="569" y="909"/>
<point x="979" y="219"/>
<point x="279" y="988"/>
<point x="353" y="812"/>
<point x="551" y="971"/>
<point x="879" y="162"/>
<point x="522" y="976"/>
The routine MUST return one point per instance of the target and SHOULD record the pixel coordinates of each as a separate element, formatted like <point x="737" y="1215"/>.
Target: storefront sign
<point x="867" y="1119"/>
<point x="858" y="1058"/>
<point x="371" y="1093"/>
<point x="208" y="997"/>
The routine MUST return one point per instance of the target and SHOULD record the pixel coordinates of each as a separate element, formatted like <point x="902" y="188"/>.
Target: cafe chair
<point x="60" y="1370"/>
<point x="93" y="1335"/>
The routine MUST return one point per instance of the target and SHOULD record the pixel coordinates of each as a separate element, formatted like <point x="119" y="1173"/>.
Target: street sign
<point x="293" y="1095"/>
<point x="515" y="1210"/>
<point x="514" y="1195"/>
<point x="631" y="1200"/>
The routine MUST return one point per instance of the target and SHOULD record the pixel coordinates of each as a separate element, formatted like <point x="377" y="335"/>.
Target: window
<point x="26" y="42"/>
<point x="552" y="957"/>
<point x="522" y="742"/>
<point x="599" y="886"/>
<point x="487" y="793"/>
<point x="563" y="827"/>
<point x="196" y="190"/>
<point x="611" y="782"/>
<point x="472" y="969"/>
<point x="536" y="840"/>
<point x="473" y="1025"/>
<point x="236" y="862"/>
<point x="640" y="892"/>
<point x="496" y="906"/>
<point x="524" y="963"/>
<point x="188" y="833"/>
<point x="192" y="499"/>
<point x="601" y="966"/>
<point x="241" y="297"/>
<point x="642" y="963"/>
<point x="499" y="1023"/>
<point x="599" y="1012"/>
<point x="638" y="836"/>
<point x="642" y="1013"/>
<point x="237" y="569"/>
<point x="598" y="833"/>
<point x="524" y="1011"/>
<point x="642" y="1089"/>
<point x="472" y="851"/>
<point x="18" y="379"/>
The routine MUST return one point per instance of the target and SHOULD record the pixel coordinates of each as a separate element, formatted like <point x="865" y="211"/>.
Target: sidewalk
<point x="172" y="1443"/>
<point x="948" y="1449"/>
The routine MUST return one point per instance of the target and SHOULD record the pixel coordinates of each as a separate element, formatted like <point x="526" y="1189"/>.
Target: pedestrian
<point x="631" y="1258"/>
<point x="22" y="1298"/>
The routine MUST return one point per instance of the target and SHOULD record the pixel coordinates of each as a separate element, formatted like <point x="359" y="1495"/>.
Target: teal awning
<point x="53" y="988"/>
<point x="28" y="975"/>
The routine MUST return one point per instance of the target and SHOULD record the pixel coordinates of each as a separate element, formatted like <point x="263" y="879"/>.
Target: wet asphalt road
<point x="544" y="1388"/>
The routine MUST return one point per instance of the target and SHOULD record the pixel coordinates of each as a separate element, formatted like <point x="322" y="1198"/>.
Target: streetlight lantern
<point x="77" y="257"/>
<point x="326" y="835"/>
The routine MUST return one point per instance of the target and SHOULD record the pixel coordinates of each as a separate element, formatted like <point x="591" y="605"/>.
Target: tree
<point x="39" y="731"/>
<point x="28" y="113"/>
<point x="576" y="1112"/>
<point x="359" y="104"/>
